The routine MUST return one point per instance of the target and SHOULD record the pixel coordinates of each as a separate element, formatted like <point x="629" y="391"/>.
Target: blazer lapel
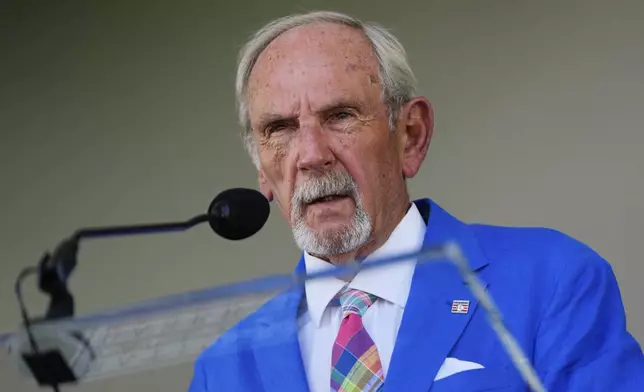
<point x="276" y="347"/>
<point x="429" y="329"/>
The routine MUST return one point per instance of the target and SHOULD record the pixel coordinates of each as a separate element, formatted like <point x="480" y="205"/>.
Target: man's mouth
<point x="327" y="198"/>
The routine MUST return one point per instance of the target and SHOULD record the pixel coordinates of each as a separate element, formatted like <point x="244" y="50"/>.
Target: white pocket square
<point x="452" y="366"/>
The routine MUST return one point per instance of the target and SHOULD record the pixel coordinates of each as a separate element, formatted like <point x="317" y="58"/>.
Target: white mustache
<point x="330" y="184"/>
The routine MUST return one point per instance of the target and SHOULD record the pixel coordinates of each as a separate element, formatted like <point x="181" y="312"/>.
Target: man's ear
<point x="417" y="129"/>
<point x="263" y="185"/>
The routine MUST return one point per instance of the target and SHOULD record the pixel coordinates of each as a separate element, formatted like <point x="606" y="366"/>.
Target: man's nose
<point x="314" y="150"/>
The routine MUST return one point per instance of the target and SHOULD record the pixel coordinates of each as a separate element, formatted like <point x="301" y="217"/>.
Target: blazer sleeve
<point x="582" y="341"/>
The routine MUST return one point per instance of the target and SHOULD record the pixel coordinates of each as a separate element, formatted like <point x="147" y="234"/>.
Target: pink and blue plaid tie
<point x="355" y="363"/>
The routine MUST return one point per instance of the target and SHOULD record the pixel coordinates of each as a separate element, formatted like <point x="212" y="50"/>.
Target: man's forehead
<point x="321" y="61"/>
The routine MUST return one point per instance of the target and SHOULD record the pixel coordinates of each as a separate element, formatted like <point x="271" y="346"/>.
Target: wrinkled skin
<point x="315" y="106"/>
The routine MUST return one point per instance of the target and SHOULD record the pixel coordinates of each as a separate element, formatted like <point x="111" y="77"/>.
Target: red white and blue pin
<point x="460" y="306"/>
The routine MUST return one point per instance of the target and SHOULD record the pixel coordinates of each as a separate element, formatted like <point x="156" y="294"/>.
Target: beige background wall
<point x="122" y="111"/>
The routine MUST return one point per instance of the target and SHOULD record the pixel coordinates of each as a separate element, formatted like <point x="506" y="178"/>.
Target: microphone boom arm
<point x="147" y="228"/>
<point x="54" y="270"/>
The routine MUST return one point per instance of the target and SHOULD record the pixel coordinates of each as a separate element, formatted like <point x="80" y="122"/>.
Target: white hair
<point x="398" y="84"/>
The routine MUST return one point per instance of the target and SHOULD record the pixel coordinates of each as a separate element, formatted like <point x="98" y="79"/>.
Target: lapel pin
<point x="460" y="306"/>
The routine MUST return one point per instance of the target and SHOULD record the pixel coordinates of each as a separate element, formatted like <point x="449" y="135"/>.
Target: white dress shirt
<point x="319" y="322"/>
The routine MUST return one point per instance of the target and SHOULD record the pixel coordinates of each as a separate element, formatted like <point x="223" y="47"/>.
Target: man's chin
<point x="327" y="242"/>
<point x="330" y="229"/>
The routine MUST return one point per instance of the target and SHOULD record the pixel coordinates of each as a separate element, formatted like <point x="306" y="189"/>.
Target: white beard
<point x="340" y="241"/>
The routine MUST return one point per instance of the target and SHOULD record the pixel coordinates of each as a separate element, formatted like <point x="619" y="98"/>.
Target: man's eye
<point x="343" y="115"/>
<point x="276" y="128"/>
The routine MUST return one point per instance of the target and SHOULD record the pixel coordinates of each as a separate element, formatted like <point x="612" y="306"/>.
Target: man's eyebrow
<point x="341" y="103"/>
<point x="269" y="118"/>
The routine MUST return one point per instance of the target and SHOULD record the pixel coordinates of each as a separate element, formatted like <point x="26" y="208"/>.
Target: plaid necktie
<point x="355" y="363"/>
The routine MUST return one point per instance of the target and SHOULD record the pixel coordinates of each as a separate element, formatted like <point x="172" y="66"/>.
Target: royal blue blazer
<point x="558" y="297"/>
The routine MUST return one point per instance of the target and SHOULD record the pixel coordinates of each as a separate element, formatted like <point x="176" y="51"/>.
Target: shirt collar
<point x="407" y="237"/>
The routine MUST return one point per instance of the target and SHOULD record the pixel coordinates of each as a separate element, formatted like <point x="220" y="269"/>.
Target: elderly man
<point x="331" y="121"/>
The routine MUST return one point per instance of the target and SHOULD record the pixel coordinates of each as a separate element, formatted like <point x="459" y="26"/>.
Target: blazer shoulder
<point x="541" y="239"/>
<point x="541" y="249"/>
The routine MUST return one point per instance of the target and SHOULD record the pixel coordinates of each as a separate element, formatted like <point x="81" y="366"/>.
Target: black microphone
<point x="235" y="214"/>
<point x="238" y="213"/>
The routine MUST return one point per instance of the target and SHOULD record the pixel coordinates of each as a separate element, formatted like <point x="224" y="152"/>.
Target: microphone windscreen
<point x="238" y="213"/>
